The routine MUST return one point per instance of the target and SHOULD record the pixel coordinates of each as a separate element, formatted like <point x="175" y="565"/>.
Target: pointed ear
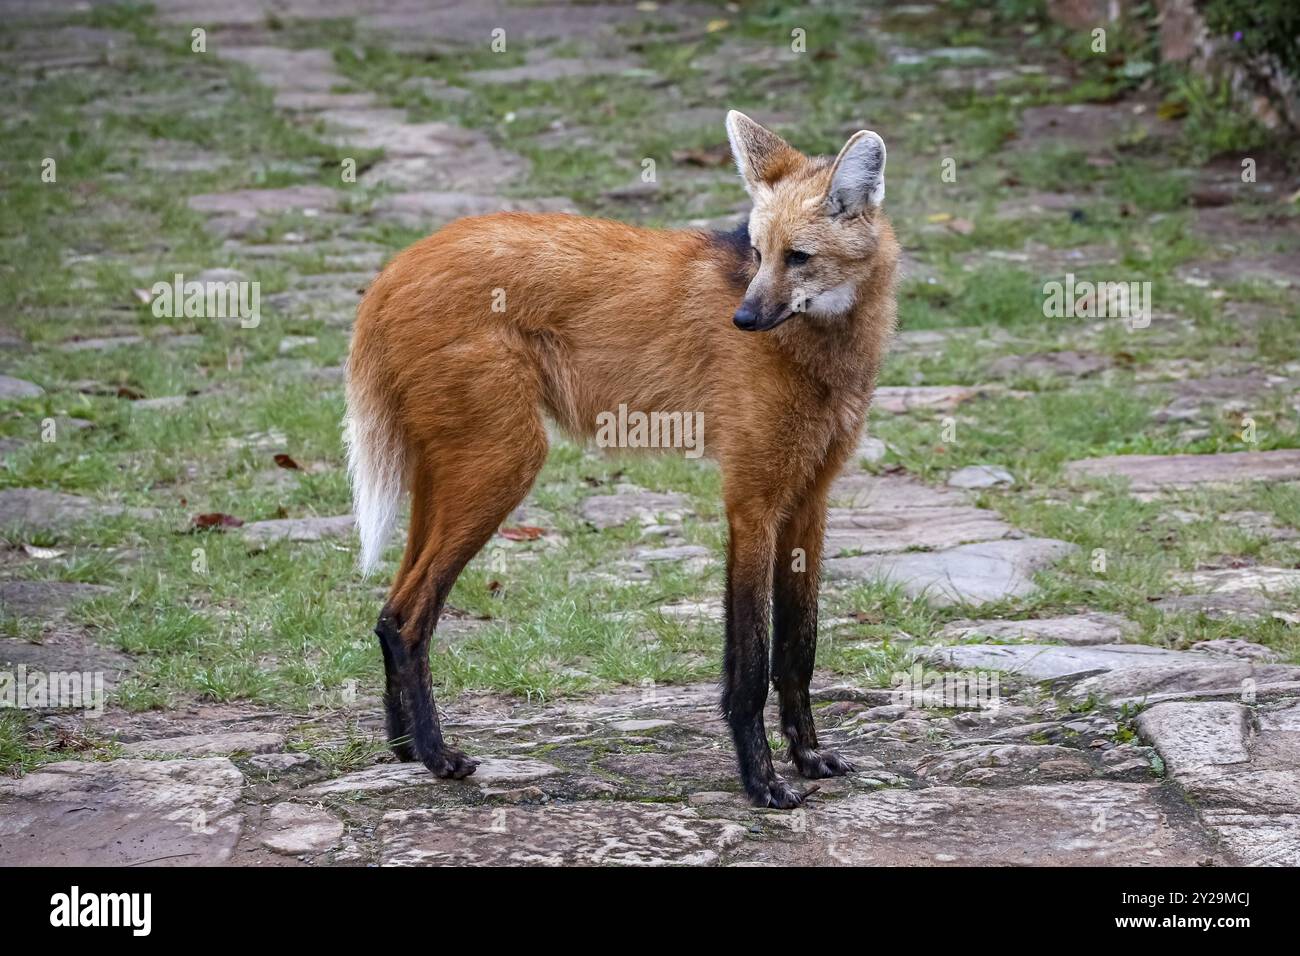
<point x="761" y="156"/>
<point x="858" y="176"/>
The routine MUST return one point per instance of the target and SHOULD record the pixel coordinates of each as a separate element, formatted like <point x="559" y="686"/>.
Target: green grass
<point x="290" y="627"/>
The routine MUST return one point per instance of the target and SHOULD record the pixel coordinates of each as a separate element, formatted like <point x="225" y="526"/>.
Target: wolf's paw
<point x="818" y="764"/>
<point x="451" y="764"/>
<point x="776" y="794"/>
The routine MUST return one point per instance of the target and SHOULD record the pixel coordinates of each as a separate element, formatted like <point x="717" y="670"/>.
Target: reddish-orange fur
<point x="597" y="313"/>
<point x="594" y="314"/>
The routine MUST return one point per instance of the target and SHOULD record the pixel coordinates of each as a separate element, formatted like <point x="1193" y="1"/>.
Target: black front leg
<point x="797" y="574"/>
<point x="745" y="668"/>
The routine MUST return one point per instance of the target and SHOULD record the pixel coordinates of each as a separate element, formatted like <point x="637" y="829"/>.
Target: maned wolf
<point x="775" y="332"/>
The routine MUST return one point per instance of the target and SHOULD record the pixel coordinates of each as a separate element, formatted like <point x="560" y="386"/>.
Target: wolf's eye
<point x="796" y="258"/>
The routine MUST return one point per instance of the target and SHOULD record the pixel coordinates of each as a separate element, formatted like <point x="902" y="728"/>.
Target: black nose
<point x="746" y="318"/>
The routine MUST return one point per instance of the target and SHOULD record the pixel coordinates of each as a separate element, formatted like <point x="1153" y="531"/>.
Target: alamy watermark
<point x="960" y="690"/>
<point x="624" y="429"/>
<point x="212" y="299"/>
<point x="74" y="690"/>
<point x="75" y="908"/>
<point x="1082" y="299"/>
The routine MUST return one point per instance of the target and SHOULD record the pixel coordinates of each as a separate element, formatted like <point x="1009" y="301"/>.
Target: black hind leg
<point x="394" y="714"/>
<point x="413" y="729"/>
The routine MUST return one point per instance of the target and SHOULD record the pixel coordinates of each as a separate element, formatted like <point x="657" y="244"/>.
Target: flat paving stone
<point x="122" y="813"/>
<point x="980" y="476"/>
<point x="1280" y="269"/>
<point x="103" y="344"/>
<point x="258" y="202"/>
<point x="1067" y="364"/>
<point x="1096" y="823"/>
<point x="1050" y="661"/>
<point x="1189" y="679"/>
<point x="900" y="399"/>
<point x="294" y="829"/>
<point x="1003" y="763"/>
<point x="45" y="599"/>
<point x="262" y="533"/>
<point x="1195" y="736"/>
<point x="491" y="773"/>
<point x="1092" y="627"/>
<point x="865" y="492"/>
<point x="646" y="507"/>
<point x="871" y="530"/>
<point x="207" y="745"/>
<point x="591" y="833"/>
<point x="708" y="610"/>
<point x="303" y="79"/>
<point x="1266" y="580"/>
<point x="1202" y="398"/>
<point x="14" y="388"/>
<point x="543" y="68"/>
<point x="1238" y="649"/>
<point x="971" y="573"/>
<point x="35" y="509"/>
<point x="1090" y="126"/>
<point x="1243" y="783"/>
<point x="65" y="652"/>
<point x="428" y="208"/>
<point x="1245" y="605"/>
<point x="430" y="155"/>
<point x="1160" y="472"/>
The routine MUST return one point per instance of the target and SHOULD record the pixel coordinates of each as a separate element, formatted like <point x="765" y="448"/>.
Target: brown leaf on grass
<point x="215" y="521"/>
<point x="1171" y="110"/>
<point x="711" y="156"/>
<point x="522" y="532"/>
<point x="284" y="461"/>
<point x="126" y="391"/>
<point x="866" y="617"/>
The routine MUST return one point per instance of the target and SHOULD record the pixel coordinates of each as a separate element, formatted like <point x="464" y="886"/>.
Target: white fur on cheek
<point x="832" y="302"/>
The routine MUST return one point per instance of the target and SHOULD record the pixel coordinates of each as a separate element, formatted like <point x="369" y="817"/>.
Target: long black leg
<point x="794" y="642"/>
<point x="390" y="642"/>
<point x="406" y="658"/>
<point x="745" y="671"/>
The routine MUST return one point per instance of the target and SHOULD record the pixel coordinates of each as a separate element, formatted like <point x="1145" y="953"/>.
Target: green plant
<point x="1258" y="28"/>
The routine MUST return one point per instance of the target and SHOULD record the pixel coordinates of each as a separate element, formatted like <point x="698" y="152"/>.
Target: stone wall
<point x="1270" y="94"/>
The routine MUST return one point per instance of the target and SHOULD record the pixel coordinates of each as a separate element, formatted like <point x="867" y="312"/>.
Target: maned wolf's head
<point x="814" y="226"/>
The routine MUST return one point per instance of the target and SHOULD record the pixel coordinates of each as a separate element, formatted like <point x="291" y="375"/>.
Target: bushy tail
<point x="376" y="464"/>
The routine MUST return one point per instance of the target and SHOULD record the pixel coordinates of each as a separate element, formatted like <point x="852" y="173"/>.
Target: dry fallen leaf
<point x="523" y="532"/>
<point x="215" y="520"/>
<point x="284" y="461"/>
<point x="719" y="155"/>
<point x="1171" y="110"/>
